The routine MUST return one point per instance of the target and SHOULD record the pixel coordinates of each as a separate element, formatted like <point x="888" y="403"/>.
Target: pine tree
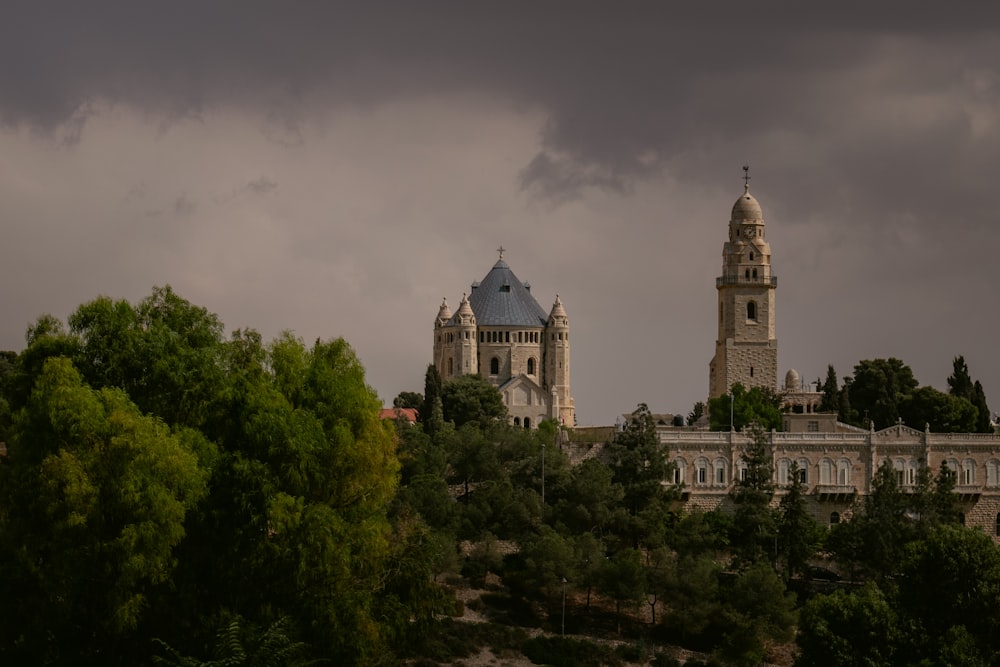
<point x="831" y="392"/>
<point x="432" y="412"/>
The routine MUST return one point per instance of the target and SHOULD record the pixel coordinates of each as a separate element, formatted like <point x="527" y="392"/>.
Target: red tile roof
<point x="409" y="414"/>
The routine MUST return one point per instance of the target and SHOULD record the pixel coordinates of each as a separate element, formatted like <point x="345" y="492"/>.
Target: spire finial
<point x="746" y="178"/>
<point x="501" y="251"/>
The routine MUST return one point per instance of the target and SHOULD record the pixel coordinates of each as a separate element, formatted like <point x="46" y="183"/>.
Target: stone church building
<point x="501" y="332"/>
<point x="836" y="461"/>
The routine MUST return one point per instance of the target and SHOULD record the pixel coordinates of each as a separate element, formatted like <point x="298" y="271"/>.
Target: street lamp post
<point x="730" y="410"/>
<point x="564" y="606"/>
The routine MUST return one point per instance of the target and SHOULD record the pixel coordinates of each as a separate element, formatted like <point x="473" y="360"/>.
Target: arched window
<point x="803" y="471"/>
<point x="752" y="311"/>
<point x="993" y="473"/>
<point x="834" y="518"/>
<point x="719" y="466"/>
<point x="968" y="471"/>
<point x="783" y="466"/>
<point x="751" y="255"/>
<point x="531" y="366"/>
<point x="701" y="471"/>
<point x="679" y="469"/>
<point x="494" y="366"/>
<point x="527" y="423"/>
<point x="746" y="274"/>
<point x="755" y="274"/>
<point x="843" y="472"/>
<point x="517" y="421"/>
<point x="899" y="466"/>
<point x="451" y="366"/>
<point x="826" y="471"/>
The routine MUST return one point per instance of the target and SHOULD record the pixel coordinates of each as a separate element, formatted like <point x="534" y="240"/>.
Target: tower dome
<point x="747" y="207"/>
<point x="464" y="314"/>
<point x="558" y="313"/>
<point x="792" y="380"/>
<point x="444" y="313"/>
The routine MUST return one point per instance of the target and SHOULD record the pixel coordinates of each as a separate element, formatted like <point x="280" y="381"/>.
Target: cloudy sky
<point x="337" y="168"/>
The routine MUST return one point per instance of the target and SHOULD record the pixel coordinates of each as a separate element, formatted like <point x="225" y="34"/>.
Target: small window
<point x="812" y="426"/>
<point x="517" y="421"/>
<point x="720" y="476"/>
<point x="755" y="274"/>
<point x="835" y="519"/>
<point x="751" y="255"/>
<point x="494" y="366"/>
<point x="531" y="366"/>
<point x="527" y="423"/>
<point x="752" y="311"/>
<point x="746" y="274"/>
<point x="505" y="288"/>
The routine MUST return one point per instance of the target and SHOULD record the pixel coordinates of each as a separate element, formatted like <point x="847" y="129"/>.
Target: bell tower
<point x="746" y="349"/>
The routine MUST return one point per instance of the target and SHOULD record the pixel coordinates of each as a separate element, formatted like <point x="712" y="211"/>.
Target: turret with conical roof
<point x="444" y="314"/>
<point x="557" y="362"/>
<point x="746" y="350"/>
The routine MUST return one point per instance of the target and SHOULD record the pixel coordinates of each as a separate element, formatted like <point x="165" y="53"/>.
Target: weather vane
<point x="746" y="175"/>
<point x="501" y="251"/>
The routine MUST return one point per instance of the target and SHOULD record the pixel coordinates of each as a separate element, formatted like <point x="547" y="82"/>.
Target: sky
<point x="336" y="169"/>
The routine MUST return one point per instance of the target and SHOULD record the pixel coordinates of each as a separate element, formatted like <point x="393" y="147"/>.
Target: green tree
<point x="960" y="385"/>
<point x="754" y="533"/>
<point x="943" y="413"/>
<point x="949" y="584"/>
<point x="623" y="579"/>
<point x="875" y="536"/>
<point x="102" y="494"/>
<point x="758" y="611"/>
<point x="694" y="607"/>
<point x="236" y="646"/>
<point x="799" y="535"/>
<point x="759" y="405"/>
<point x="878" y="388"/>
<point x="696" y="413"/>
<point x="831" y="391"/>
<point x="431" y="414"/>
<point x="849" y="629"/>
<point x="983" y="424"/>
<point x="471" y="398"/>
<point x="639" y="463"/>
<point x="409" y="399"/>
<point x="163" y="353"/>
<point x="959" y="382"/>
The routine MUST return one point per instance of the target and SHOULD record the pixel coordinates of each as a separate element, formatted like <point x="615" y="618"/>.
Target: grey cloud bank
<point x="336" y="170"/>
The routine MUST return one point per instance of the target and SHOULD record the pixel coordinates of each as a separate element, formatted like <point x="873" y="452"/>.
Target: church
<point x="836" y="462"/>
<point x="501" y="332"/>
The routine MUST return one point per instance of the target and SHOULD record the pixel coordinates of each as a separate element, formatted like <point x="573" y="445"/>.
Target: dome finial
<point x="746" y="178"/>
<point x="501" y="250"/>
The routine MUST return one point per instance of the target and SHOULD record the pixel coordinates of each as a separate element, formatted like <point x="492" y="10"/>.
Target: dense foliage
<point x="176" y="497"/>
<point x="882" y="392"/>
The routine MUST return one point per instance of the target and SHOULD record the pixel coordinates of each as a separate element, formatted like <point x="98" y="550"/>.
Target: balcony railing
<point x="743" y="280"/>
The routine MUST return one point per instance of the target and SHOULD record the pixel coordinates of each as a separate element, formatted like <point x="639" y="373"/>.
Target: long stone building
<point x="836" y="461"/>
<point x="501" y="332"/>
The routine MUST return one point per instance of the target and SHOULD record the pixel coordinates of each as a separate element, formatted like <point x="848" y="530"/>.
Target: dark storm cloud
<point x="629" y="87"/>
<point x="872" y="131"/>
